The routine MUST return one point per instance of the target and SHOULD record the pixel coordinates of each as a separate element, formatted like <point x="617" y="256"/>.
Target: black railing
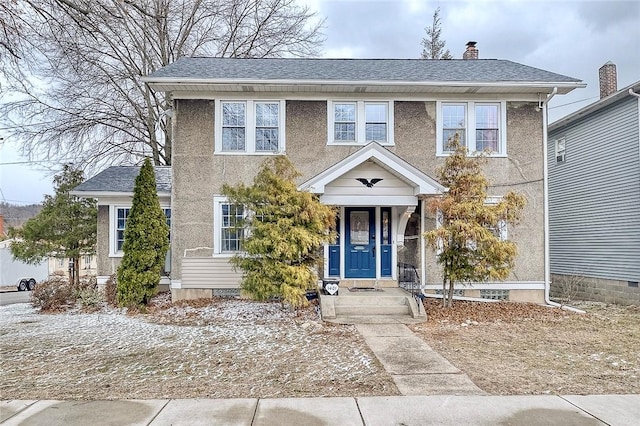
<point x="409" y="279"/>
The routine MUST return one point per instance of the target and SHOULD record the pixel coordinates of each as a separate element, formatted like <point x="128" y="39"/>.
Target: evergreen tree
<point x="146" y="241"/>
<point x="467" y="241"/>
<point x="433" y="47"/>
<point x="284" y="232"/>
<point x="65" y="227"/>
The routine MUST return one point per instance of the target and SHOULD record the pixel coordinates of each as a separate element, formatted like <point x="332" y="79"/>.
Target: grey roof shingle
<point x="122" y="179"/>
<point x="406" y="70"/>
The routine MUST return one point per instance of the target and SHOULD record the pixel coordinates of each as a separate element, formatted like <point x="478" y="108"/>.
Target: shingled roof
<point x="121" y="180"/>
<point x="205" y="70"/>
<point x="414" y="70"/>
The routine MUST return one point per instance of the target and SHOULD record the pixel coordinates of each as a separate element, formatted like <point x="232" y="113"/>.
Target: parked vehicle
<point x="20" y="274"/>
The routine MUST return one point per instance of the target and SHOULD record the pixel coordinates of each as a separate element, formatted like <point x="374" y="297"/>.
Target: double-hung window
<point x="480" y="126"/>
<point x="229" y="232"/>
<point x="121" y="221"/>
<point x="234" y="128"/>
<point x="249" y="126"/>
<point x="119" y="217"/>
<point x="360" y="122"/>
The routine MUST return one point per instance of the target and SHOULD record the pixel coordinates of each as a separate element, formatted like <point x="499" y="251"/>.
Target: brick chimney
<point x="471" y="52"/>
<point x="608" y="79"/>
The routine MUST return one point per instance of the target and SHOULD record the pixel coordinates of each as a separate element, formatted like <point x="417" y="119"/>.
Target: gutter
<point x="547" y="266"/>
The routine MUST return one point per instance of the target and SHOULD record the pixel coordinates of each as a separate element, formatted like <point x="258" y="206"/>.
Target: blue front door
<point x="360" y="242"/>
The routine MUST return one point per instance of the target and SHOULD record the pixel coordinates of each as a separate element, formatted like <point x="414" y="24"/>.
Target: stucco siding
<point x="106" y="265"/>
<point x="522" y="172"/>
<point x="594" y="195"/>
<point x="198" y="173"/>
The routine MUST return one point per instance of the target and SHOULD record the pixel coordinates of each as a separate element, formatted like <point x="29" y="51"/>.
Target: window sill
<point x="225" y="255"/>
<point x="118" y="254"/>
<point x="258" y="153"/>
<point x="445" y="154"/>
<point x="359" y="143"/>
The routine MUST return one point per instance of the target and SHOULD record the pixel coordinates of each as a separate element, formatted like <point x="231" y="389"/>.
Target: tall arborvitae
<point x="284" y="232"/>
<point x="145" y="243"/>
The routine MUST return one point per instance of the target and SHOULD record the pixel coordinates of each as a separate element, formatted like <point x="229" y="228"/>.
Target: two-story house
<point x="594" y="193"/>
<point x="368" y="136"/>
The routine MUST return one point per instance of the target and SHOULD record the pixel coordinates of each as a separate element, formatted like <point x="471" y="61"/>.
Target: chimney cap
<point x="471" y="43"/>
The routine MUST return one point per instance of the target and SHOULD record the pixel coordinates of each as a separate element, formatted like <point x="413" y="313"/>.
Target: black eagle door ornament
<point x="368" y="183"/>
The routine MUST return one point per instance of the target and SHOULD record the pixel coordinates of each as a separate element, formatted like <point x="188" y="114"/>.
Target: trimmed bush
<point x="54" y="294"/>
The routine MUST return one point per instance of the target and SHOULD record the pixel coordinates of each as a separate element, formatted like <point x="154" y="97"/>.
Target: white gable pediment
<point x="349" y="182"/>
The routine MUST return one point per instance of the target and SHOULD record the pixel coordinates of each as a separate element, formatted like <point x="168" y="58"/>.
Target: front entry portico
<point x="376" y="191"/>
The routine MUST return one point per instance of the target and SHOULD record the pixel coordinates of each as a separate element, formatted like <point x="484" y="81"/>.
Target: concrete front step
<point x="393" y="304"/>
<point x="369" y="309"/>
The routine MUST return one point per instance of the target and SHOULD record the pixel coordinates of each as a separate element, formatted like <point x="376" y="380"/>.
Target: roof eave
<point x="110" y="194"/>
<point x="597" y="105"/>
<point x="158" y="82"/>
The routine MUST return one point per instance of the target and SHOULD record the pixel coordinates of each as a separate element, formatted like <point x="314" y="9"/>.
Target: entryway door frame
<point x="378" y="237"/>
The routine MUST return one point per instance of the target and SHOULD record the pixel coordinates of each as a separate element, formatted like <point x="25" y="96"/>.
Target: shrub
<point x="54" y="294"/>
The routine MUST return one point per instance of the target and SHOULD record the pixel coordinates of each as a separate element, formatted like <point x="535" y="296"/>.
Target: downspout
<point x="543" y="104"/>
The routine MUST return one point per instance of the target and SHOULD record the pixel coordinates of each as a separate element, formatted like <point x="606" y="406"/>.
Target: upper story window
<point x="481" y="126"/>
<point x="119" y="216"/>
<point x="360" y="122"/>
<point x="249" y="127"/>
<point x="561" y="150"/>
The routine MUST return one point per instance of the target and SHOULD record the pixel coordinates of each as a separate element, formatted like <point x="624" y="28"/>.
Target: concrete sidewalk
<point x="414" y="366"/>
<point x="568" y="410"/>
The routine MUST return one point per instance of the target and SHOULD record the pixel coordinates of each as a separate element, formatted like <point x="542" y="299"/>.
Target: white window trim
<point x="557" y="143"/>
<point x="471" y="126"/>
<point x="360" y="122"/>
<point x="218" y="200"/>
<point x="113" y="221"/>
<point x="250" y="126"/>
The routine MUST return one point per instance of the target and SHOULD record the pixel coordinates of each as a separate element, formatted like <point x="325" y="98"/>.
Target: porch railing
<point x="409" y="279"/>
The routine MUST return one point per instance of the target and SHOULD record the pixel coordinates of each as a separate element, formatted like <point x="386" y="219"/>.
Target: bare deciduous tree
<point x="75" y="89"/>
<point x="433" y="46"/>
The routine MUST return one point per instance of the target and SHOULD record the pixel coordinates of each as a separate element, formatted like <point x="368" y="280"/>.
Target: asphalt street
<point x="11" y="297"/>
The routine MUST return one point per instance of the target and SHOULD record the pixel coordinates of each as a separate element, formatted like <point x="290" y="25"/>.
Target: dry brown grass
<point x="202" y="349"/>
<point x="515" y="348"/>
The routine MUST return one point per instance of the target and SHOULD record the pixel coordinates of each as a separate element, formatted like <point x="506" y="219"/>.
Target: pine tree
<point x="145" y="242"/>
<point x="433" y="47"/>
<point x="469" y="248"/>
<point x="285" y="230"/>
<point x="65" y="227"/>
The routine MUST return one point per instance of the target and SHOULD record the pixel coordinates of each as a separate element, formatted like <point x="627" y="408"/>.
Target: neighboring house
<point x="594" y="197"/>
<point x="344" y="123"/>
<point x="88" y="265"/>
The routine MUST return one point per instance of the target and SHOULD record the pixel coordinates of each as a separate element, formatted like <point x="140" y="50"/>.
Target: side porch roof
<point x="118" y="181"/>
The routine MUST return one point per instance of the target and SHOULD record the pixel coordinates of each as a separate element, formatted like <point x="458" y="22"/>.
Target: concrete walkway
<point x="415" y="368"/>
<point x="618" y="410"/>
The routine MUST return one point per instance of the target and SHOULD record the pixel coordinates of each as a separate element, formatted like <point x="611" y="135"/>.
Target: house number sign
<point x="331" y="288"/>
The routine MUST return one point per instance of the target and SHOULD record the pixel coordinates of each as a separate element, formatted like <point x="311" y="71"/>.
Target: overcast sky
<point x="573" y="38"/>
